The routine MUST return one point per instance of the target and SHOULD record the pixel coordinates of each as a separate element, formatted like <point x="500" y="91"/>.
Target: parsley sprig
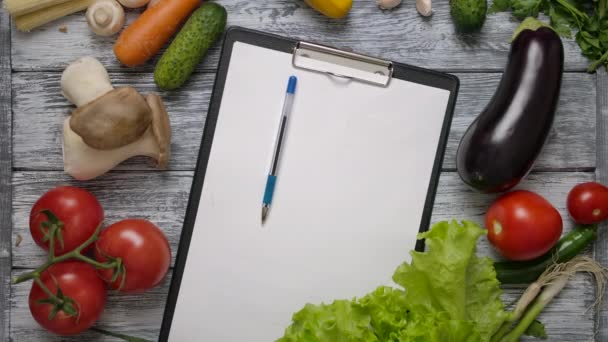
<point x="586" y="17"/>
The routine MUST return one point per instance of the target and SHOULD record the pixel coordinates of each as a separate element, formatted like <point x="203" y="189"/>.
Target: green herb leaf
<point x="499" y="6"/>
<point x="526" y="8"/>
<point x="593" y="41"/>
<point x="536" y="329"/>
<point x="560" y="22"/>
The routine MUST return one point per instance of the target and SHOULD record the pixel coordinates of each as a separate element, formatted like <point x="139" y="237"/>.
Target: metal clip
<point x="342" y="64"/>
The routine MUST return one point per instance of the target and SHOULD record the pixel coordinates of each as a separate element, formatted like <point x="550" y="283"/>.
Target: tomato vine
<point x="51" y="230"/>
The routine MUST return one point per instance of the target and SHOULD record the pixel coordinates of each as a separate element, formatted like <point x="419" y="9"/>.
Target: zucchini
<point x="569" y="246"/>
<point x="201" y="31"/>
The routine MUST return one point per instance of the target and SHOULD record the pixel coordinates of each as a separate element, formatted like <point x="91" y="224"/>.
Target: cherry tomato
<point x="143" y="250"/>
<point x="81" y="285"/>
<point x="523" y="225"/>
<point x="78" y="210"/>
<point x="588" y="203"/>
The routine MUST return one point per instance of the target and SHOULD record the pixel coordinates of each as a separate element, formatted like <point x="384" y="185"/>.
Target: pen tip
<point x="264" y="213"/>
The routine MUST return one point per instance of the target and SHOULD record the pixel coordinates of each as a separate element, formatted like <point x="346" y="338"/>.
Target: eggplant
<point x="500" y="147"/>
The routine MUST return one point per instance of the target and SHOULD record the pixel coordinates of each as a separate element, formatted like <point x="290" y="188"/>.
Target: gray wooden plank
<point x="136" y="315"/>
<point x="40" y="109"/>
<point x="5" y="174"/>
<point x="400" y="35"/>
<point x="567" y="318"/>
<point x="160" y="197"/>
<point x="163" y="197"/>
<point x="601" y="246"/>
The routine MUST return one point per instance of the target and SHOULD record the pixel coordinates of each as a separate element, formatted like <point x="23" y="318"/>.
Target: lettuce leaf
<point x="449" y="295"/>
<point x="340" y="321"/>
<point x="451" y="278"/>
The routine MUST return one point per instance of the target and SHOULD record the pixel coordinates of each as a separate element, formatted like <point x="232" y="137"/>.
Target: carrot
<point x="155" y="26"/>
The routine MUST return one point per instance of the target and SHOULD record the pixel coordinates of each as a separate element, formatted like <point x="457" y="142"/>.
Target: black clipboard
<point x="298" y="48"/>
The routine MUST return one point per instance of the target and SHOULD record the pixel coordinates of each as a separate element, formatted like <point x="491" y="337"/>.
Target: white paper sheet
<point x="348" y="203"/>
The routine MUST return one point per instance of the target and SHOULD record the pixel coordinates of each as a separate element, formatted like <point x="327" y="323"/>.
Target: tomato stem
<point x="75" y="254"/>
<point x="95" y="263"/>
<point x="52" y="297"/>
<point x="52" y="233"/>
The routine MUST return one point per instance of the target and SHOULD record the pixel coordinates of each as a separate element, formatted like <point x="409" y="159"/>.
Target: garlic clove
<point x="84" y="80"/>
<point x="105" y="17"/>
<point x="83" y="162"/>
<point x="424" y="7"/>
<point x="388" y="4"/>
<point x="116" y="119"/>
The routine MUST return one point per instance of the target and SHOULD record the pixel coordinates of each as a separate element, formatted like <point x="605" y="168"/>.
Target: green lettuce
<point x="449" y="295"/>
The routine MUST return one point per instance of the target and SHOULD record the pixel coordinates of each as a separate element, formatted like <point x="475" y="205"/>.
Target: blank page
<point x="348" y="203"/>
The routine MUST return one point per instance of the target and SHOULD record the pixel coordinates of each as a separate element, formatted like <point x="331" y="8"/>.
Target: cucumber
<point x="569" y="246"/>
<point x="468" y="15"/>
<point x="204" y="27"/>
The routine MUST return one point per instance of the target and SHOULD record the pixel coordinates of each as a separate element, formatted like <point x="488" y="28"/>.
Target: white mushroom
<point x="105" y="17"/>
<point x="134" y="3"/>
<point x="84" y="80"/>
<point x="424" y="7"/>
<point x="388" y="4"/>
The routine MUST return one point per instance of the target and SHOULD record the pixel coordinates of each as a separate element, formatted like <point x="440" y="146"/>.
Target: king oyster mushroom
<point x="115" y="119"/>
<point x="109" y="125"/>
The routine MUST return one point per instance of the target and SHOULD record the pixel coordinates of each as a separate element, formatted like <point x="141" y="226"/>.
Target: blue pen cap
<point x="291" y="86"/>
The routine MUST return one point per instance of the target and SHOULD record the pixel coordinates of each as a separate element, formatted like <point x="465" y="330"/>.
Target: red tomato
<point x="143" y="249"/>
<point x="588" y="203"/>
<point x="523" y="225"/>
<point x="79" y="282"/>
<point x="78" y="210"/>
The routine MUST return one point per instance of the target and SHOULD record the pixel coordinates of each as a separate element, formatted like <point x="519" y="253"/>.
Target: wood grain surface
<point x="32" y="110"/>
<point x="601" y="245"/>
<point x="400" y="35"/>
<point x="40" y="109"/>
<point x="5" y="174"/>
<point x="162" y="197"/>
<point x="567" y="319"/>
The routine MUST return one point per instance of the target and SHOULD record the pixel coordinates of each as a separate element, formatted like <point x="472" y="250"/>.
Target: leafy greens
<point x="449" y="294"/>
<point x="587" y="17"/>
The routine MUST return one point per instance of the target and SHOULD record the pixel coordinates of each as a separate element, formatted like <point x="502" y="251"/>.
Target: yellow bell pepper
<point x="335" y="9"/>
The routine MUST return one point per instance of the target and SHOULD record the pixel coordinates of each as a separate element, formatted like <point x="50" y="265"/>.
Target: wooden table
<point x="32" y="110"/>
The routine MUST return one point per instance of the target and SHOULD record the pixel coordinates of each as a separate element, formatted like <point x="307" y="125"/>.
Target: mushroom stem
<point x="102" y="17"/>
<point x="84" y="80"/>
<point x="84" y="162"/>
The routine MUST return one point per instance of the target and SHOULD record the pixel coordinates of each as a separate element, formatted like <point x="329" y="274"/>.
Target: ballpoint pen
<point x="278" y="144"/>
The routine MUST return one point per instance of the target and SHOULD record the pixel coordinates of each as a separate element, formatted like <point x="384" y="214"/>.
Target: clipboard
<point x="359" y="173"/>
